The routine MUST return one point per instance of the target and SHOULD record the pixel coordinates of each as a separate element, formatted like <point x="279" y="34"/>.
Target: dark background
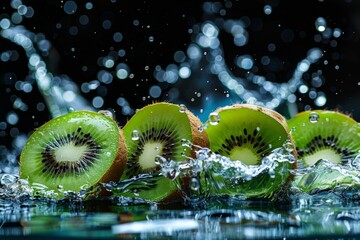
<point x="169" y="23"/>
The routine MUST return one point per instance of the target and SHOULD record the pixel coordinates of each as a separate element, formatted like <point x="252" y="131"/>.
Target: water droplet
<point x="314" y="117"/>
<point x="106" y="113"/>
<point x="214" y="118"/>
<point x="289" y="147"/>
<point x="293" y="129"/>
<point x="182" y="108"/>
<point x="71" y="109"/>
<point x="194" y="184"/>
<point x="135" y="135"/>
<point x="201" y="128"/>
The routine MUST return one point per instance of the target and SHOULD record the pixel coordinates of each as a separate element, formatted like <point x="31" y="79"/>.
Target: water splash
<point x="209" y="173"/>
<point x="59" y="92"/>
<point x="329" y="177"/>
<point x="13" y="190"/>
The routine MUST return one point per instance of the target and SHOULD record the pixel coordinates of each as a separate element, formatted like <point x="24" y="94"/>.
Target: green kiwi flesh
<point x="78" y="149"/>
<point x="249" y="133"/>
<point x="325" y="134"/>
<point x="158" y="130"/>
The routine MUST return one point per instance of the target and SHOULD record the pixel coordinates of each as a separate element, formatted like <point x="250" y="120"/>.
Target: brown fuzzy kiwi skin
<point x="199" y="138"/>
<point x="117" y="167"/>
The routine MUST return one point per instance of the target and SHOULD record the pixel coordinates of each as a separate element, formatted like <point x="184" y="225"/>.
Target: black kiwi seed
<point x="330" y="142"/>
<point x="254" y="140"/>
<point x="161" y="135"/>
<point x="78" y="138"/>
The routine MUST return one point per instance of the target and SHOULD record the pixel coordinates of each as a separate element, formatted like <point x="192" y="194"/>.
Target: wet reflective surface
<point x="322" y="216"/>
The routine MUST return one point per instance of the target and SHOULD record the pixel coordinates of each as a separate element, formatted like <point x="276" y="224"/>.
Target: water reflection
<point x="320" y="216"/>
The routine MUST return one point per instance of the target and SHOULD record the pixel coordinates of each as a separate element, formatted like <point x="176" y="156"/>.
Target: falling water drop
<point x="314" y="117"/>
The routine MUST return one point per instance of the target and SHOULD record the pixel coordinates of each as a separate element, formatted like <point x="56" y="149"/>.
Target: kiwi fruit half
<point x="76" y="150"/>
<point x="248" y="133"/>
<point x="159" y="129"/>
<point x="325" y="134"/>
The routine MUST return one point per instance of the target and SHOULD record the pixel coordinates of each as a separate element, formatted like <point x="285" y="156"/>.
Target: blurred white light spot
<point x="98" y="102"/>
<point x="155" y="91"/>
<point x="12" y="118"/>
<point x="184" y="72"/>
<point x="70" y="7"/>
<point x="69" y="96"/>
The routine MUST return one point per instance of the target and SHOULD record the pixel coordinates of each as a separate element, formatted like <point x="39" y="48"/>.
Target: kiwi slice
<point x="248" y="133"/>
<point x="159" y="129"/>
<point x="325" y="134"/>
<point x="76" y="150"/>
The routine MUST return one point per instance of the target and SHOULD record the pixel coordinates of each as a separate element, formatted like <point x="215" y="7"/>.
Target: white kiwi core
<point x="69" y="153"/>
<point x="327" y="154"/>
<point x="245" y="155"/>
<point x="149" y="153"/>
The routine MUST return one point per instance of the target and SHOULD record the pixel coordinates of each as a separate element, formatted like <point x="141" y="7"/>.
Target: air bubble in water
<point x="135" y="135"/>
<point x="314" y="117"/>
<point x="214" y="118"/>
